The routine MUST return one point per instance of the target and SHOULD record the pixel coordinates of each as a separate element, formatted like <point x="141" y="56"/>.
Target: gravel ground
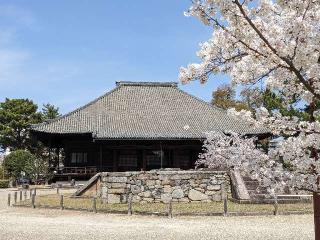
<point x="22" y="223"/>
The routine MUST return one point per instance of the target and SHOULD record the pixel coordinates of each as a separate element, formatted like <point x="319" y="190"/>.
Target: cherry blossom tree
<point x="276" y="43"/>
<point x="231" y="151"/>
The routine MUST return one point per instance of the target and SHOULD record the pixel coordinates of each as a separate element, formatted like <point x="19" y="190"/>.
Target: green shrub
<point x="2" y="174"/>
<point x="20" y="161"/>
<point x="4" y="183"/>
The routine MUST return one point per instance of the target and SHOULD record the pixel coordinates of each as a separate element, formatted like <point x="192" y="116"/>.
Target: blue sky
<point x="69" y="52"/>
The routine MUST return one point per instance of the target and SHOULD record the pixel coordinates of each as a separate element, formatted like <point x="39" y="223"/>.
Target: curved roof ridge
<point x="156" y="84"/>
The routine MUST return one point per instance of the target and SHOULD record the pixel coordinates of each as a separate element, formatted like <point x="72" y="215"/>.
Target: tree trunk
<point x="316" y="196"/>
<point x="316" y="209"/>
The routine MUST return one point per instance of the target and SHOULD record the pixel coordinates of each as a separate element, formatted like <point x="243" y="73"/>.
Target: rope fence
<point x="226" y="207"/>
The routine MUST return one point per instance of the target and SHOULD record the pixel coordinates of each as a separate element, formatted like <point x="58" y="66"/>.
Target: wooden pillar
<point x="316" y="213"/>
<point x="175" y="161"/>
<point x="49" y="160"/>
<point x="170" y="158"/>
<point x="100" y="157"/>
<point x="50" y="157"/>
<point x="140" y="160"/>
<point x="144" y="160"/>
<point x="115" y="160"/>
<point x="189" y="154"/>
<point x="57" y="158"/>
<point x="161" y="155"/>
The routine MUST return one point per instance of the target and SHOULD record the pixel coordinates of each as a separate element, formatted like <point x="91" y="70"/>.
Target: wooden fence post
<point x="223" y="190"/>
<point x="15" y="197"/>
<point x="20" y="196"/>
<point x="33" y="199"/>
<point x="225" y="206"/>
<point x="9" y="199"/>
<point x="276" y="206"/>
<point x="61" y="202"/>
<point x="170" y="209"/>
<point x="130" y="204"/>
<point x="94" y="204"/>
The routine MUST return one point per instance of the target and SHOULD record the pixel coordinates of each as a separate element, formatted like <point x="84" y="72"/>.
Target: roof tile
<point x="147" y="110"/>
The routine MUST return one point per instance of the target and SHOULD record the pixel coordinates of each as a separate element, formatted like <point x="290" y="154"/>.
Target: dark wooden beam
<point x="57" y="157"/>
<point x="49" y="160"/>
<point x="115" y="160"/>
<point x="144" y="160"/>
<point x="100" y="157"/>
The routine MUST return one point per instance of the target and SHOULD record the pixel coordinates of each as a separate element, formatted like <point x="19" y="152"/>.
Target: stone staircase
<point x="257" y="193"/>
<point x="247" y="190"/>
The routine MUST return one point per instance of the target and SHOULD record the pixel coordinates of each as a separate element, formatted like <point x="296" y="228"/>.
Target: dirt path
<point x="34" y="224"/>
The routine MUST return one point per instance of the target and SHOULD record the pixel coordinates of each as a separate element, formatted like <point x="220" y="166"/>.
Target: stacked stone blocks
<point x="164" y="186"/>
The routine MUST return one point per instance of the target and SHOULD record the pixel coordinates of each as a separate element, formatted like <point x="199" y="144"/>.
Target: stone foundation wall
<point x="163" y="186"/>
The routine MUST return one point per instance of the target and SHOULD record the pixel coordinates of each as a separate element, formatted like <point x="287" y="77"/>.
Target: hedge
<point x="4" y="183"/>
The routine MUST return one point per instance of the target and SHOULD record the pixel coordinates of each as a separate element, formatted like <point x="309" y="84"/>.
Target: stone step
<point x="251" y="185"/>
<point x="262" y="198"/>
<point x="259" y="196"/>
<point x="295" y="197"/>
<point x="246" y="178"/>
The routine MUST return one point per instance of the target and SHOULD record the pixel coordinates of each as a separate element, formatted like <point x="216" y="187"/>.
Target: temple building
<point x="135" y="126"/>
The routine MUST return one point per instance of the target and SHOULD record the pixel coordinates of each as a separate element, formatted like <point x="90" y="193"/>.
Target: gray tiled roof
<point x="147" y="110"/>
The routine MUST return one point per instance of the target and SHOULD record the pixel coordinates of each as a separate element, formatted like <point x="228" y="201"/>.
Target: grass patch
<point x="161" y="208"/>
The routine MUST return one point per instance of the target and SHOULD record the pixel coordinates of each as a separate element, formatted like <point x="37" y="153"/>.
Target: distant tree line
<point x="254" y="97"/>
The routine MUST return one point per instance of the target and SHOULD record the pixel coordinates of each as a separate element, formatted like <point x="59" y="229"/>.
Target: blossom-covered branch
<point x="278" y="41"/>
<point x="277" y="170"/>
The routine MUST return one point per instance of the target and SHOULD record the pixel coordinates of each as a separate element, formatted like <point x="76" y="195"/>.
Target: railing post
<point x="94" y="205"/>
<point x="225" y="206"/>
<point x="223" y="191"/>
<point x="20" y="196"/>
<point x="276" y="206"/>
<point x="58" y="189"/>
<point x="30" y="190"/>
<point x="9" y="199"/>
<point x="33" y="199"/>
<point x="35" y="191"/>
<point x="61" y="202"/>
<point x="170" y="209"/>
<point x="25" y="194"/>
<point x="130" y="204"/>
<point x="15" y="197"/>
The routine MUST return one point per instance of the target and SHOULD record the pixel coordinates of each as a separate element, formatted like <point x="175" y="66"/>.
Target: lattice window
<point x="183" y="158"/>
<point x="128" y="159"/>
<point x="79" y="157"/>
<point x="154" y="158"/>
